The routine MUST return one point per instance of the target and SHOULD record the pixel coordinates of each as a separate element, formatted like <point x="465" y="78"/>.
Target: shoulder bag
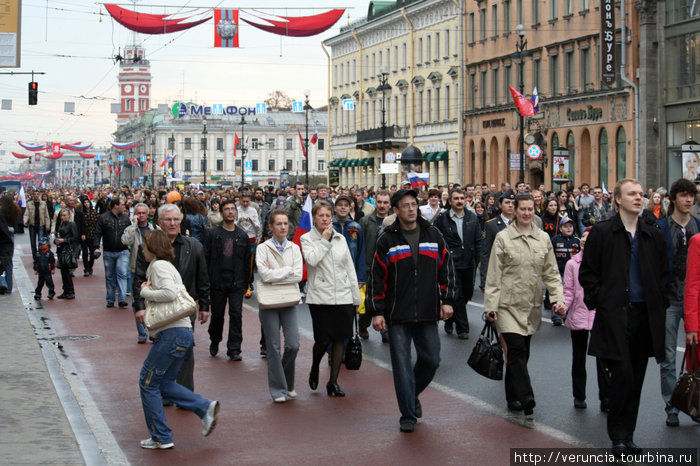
<point x="66" y="258"/>
<point x="487" y="356"/>
<point x="160" y="314"/>
<point x="686" y="395"/>
<point x="353" y="351"/>
<point x="276" y="296"/>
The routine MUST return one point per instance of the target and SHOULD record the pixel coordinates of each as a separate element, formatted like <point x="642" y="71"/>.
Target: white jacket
<point x="293" y="269"/>
<point x="331" y="273"/>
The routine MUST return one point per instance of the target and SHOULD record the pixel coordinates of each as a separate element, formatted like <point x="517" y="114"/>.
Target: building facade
<point x="398" y="67"/>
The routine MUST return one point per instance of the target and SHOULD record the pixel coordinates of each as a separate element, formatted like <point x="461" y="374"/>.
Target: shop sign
<point x="560" y="165"/>
<point x="607" y="37"/>
<point x="181" y="109"/>
<point x="590" y="113"/>
<point x="496" y="123"/>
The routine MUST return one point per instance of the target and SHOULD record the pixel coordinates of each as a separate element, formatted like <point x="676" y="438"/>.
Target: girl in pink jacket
<point x="580" y="321"/>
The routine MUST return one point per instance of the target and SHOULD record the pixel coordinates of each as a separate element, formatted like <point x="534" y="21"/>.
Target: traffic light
<point x="148" y="157"/>
<point x="33" y="92"/>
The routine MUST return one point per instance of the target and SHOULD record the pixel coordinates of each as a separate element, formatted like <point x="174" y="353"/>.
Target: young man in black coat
<point x="624" y="275"/>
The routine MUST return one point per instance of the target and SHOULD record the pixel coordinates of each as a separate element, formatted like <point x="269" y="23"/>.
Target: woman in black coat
<point x="67" y="237"/>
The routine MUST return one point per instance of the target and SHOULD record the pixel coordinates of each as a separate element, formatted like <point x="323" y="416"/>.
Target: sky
<point x="74" y="45"/>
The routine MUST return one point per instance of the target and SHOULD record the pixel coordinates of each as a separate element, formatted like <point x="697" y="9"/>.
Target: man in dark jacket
<point x="624" y="274"/>
<point x="227" y="252"/>
<point x="109" y="228"/>
<point x="491" y="229"/>
<point x="462" y="233"/>
<point x="189" y="261"/>
<point x="412" y="286"/>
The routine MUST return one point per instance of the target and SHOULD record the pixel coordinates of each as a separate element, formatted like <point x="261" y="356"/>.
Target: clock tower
<point x="134" y="84"/>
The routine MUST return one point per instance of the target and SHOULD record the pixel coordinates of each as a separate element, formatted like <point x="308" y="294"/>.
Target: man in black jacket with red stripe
<point x="411" y="287"/>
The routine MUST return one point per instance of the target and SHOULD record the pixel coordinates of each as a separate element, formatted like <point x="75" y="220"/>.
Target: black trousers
<point x="67" y="281"/>
<point x="518" y="385"/>
<point x="465" y="288"/>
<point x="627" y="375"/>
<point x="579" y="346"/>
<point x="89" y="255"/>
<point x="219" y="298"/>
<point x="44" y="278"/>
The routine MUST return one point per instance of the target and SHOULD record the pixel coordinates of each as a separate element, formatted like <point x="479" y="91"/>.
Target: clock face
<point x="128" y="89"/>
<point x="144" y="88"/>
<point x="530" y="139"/>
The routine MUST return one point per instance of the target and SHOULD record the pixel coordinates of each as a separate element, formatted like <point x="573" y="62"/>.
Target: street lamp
<point x="243" y="149"/>
<point x="520" y="47"/>
<point x="204" y="147"/>
<point x="307" y="108"/>
<point x="383" y="86"/>
<point x="153" y="162"/>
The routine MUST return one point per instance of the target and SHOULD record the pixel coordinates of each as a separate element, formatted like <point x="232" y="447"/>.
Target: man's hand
<point x="139" y="315"/>
<point x="378" y="323"/>
<point x="691" y="338"/>
<point x="203" y="317"/>
<point x="446" y="311"/>
<point x="559" y="309"/>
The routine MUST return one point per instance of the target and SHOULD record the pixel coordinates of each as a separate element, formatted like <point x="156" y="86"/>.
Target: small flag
<point x="535" y="100"/>
<point x="303" y="147"/>
<point x="418" y="179"/>
<point x="236" y="141"/>
<point x="314" y="138"/>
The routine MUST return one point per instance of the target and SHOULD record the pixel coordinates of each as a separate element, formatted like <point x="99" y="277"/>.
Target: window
<point x="553" y="10"/>
<point x="482" y="23"/>
<point x="683" y="58"/>
<point x="428" y="106"/>
<point x="437" y="104"/>
<point x="366" y="66"/>
<point x="447" y="103"/>
<point x="603" y="157"/>
<point x="536" y="72"/>
<point x="303" y="165"/>
<point x="586" y="84"/>
<point x="271" y="165"/>
<point x="354" y="70"/>
<point x="188" y="143"/>
<point x="420" y="107"/>
<point x="495" y="85"/>
<point x="321" y="144"/>
<point x="321" y="165"/>
<point x="403" y="55"/>
<point x="506" y="16"/>
<point x="621" y="154"/>
<point x="420" y="50"/>
<point x="374" y="65"/>
<point x="288" y="144"/>
<point x="553" y="75"/>
<point x="535" y="12"/>
<point x="219" y="165"/>
<point x="483" y="89"/>
<point x="437" y="46"/>
<point x="405" y="109"/>
<point x="271" y="143"/>
<point x="254" y="163"/>
<point x="340" y="81"/>
<point x="237" y="164"/>
<point x="447" y="43"/>
<point x="204" y="143"/>
<point x="396" y="57"/>
<point x="347" y="72"/>
<point x="584" y="6"/>
<point x="428" y="48"/>
<point x="188" y="165"/>
<point x="507" y="75"/>
<point x="143" y="104"/>
<point x="519" y="11"/>
<point x="127" y="105"/>
<point x="254" y="143"/>
<point x="380" y="62"/>
<point x="494" y="20"/>
<point x="569" y="72"/>
<point x="335" y="75"/>
<point x="220" y="144"/>
<point x="288" y="165"/>
<point x="472" y="90"/>
<point x="568" y="8"/>
<point x="470" y="28"/>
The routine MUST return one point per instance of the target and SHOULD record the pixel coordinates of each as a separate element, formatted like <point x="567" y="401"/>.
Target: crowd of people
<point x="618" y="269"/>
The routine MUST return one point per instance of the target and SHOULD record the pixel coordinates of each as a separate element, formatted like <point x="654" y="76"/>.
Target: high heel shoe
<point x="313" y="379"/>
<point x="334" y="390"/>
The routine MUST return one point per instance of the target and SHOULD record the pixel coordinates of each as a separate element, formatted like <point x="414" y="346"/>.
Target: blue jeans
<point x="157" y="381"/>
<point x="34" y="233"/>
<point x="669" y="376"/>
<point x="409" y="381"/>
<point x="116" y="272"/>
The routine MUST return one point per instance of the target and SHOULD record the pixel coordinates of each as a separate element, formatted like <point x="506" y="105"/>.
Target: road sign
<point x="390" y="157"/>
<point x="348" y="104"/>
<point x="143" y="158"/>
<point x="534" y="151"/>
<point x="389" y="168"/>
<point x="98" y="157"/>
<point x="261" y="108"/>
<point x="297" y="107"/>
<point x="515" y="161"/>
<point x="121" y="158"/>
<point x="248" y="165"/>
<point x="398" y="156"/>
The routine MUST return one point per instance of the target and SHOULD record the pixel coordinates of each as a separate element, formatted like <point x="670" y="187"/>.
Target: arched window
<point x="603" y="157"/>
<point x="555" y="141"/>
<point x="572" y="149"/>
<point x="621" y="153"/>
<point x="473" y="164"/>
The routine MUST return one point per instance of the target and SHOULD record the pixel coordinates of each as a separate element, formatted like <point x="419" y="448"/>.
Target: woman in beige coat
<point x="521" y="259"/>
<point x="332" y="292"/>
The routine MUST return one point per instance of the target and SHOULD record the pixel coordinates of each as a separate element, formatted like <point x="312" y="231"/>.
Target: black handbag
<point x="686" y="395"/>
<point x="66" y="259"/>
<point x="353" y="351"/>
<point x="487" y="355"/>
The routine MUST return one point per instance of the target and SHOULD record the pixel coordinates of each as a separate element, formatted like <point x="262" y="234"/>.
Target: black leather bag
<point x="353" y="351"/>
<point x="66" y="259"/>
<point x="487" y="355"/>
<point x="686" y="395"/>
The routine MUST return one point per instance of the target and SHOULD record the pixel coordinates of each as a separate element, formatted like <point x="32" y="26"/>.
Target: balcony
<point x="370" y="139"/>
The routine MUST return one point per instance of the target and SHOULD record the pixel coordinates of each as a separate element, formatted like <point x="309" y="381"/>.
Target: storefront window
<point x="603" y="157"/>
<point x="679" y="10"/>
<point x="683" y="57"/>
<point x="621" y="154"/>
<point x="571" y="148"/>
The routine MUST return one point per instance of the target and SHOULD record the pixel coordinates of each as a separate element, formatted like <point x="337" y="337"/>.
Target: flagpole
<point x="307" y="107"/>
<point x="520" y="47"/>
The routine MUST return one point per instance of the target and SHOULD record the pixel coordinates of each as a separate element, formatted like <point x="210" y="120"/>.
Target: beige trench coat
<point x="517" y="267"/>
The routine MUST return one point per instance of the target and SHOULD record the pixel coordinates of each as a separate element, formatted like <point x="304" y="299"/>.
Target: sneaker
<point x="141" y="340"/>
<point x="110" y="304"/>
<point x="672" y="420"/>
<point x="406" y="426"/>
<point x="37" y="297"/>
<point x="123" y="304"/>
<point x="151" y="444"/>
<point x="209" y="419"/>
<point x="463" y="336"/>
<point x="418" y="409"/>
<point x="235" y="356"/>
<point x="292" y="394"/>
<point x="280" y="399"/>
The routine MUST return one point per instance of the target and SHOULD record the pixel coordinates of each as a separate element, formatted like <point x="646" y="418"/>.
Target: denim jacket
<point x="352" y="231"/>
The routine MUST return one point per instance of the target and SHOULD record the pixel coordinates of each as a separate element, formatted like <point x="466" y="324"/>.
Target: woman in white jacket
<point x="269" y="259"/>
<point x="332" y="292"/>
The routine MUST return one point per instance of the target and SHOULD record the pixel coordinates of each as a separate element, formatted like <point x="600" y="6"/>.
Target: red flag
<point x="109" y="167"/>
<point x="116" y="169"/>
<point x="525" y="107"/>
<point x="303" y="147"/>
<point x="235" y="143"/>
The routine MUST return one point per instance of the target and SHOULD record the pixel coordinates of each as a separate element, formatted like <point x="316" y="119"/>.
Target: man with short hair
<point x="491" y="229"/>
<point x="624" y="275"/>
<point x="468" y="194"/>
<point x="462" y="233"/>
<point x="677" y="227"/>
<point x="293" y="207"/>
<point x="520" y="187"/>
<point x="228" y="257"/>
<point x="133" y="238"/>
<point x="412" y="286"/>
<point x="432" y="208"/>
<point x="109" y="228"/>
<point x="265" y="209"/>
<point x="36" y="218"/>
<point x="584" y="201"/>
<point x="352" y="232"/>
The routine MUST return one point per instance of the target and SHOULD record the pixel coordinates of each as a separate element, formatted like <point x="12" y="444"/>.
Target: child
<point x="44" y="266"/>
<point x="565" y="245"/>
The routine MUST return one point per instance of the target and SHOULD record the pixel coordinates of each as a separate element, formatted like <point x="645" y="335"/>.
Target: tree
<point x="278" y="100"/>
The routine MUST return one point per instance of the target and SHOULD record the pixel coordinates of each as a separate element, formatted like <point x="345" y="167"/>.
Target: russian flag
<point x="418" y="179"/>
<point x="314" y="138"/>
<point x="535" y="99"/>
<point x="304" y="226"/>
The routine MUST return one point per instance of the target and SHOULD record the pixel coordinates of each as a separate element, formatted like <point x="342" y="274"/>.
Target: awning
<point x="368" y="162"/>
<point x="430" y="156"/>
<point x="441" y="156"/>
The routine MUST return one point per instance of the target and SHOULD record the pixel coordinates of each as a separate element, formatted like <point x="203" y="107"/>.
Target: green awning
<point x="356" y="162"/>
<point x="331" y="163"/>
<point x="430" y="156"/>
<point x="368" y="162"/>
<point x="441" y="156"/>
<point x="343" y="163"/>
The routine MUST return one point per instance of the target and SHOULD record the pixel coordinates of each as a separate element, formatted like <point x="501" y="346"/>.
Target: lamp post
<point x="383" y="86"/>
<point x="520" y="47"/>
<point x="204" y="147"/>
<point x="307" y="108"/>
<point x="153" y="162"/>
<point x="243" y="149"/>
<point x="171" y="147"/>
